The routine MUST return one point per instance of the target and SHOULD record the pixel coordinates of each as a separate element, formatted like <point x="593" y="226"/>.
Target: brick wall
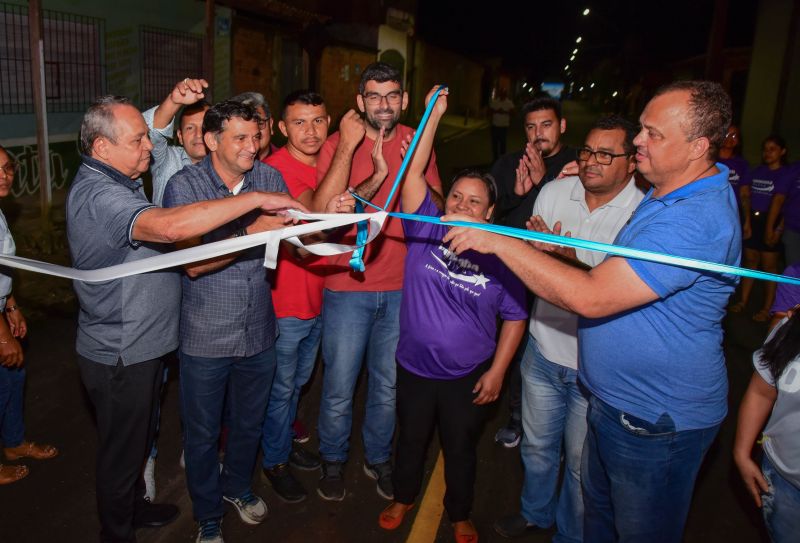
<point x="252" y="63"/>
<point x="340" y="70"/>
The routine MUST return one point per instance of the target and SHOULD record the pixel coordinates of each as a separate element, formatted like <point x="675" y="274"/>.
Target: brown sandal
<point x="29" y="449"/>
<point x="12" y="474"/>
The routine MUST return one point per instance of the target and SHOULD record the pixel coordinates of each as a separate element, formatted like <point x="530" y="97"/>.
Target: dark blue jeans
<point x="12" y="427"/>
<point x="638" y="477"/>
<point x="204" y="382"/>
<point x="296" y="348"/>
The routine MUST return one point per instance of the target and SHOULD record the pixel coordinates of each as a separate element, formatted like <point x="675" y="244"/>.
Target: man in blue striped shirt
<point x="227" y="326"/>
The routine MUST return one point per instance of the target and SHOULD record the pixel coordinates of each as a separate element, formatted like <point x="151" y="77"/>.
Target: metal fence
<point x="73" y="60"/>
<point x="167" y="56"/>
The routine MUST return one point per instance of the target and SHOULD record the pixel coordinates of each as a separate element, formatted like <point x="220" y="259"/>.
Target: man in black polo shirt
<point x="520" y="176"/>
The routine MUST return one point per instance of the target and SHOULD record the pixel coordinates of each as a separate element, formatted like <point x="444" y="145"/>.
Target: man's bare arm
<point x="186" y="92"/>
<point x="170" y="225"/>
<point x="336" y="180"/>
<point x="609" y="288"/>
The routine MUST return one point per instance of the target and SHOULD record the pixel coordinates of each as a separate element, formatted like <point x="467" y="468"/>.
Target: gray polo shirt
<point x="135" y="318"/>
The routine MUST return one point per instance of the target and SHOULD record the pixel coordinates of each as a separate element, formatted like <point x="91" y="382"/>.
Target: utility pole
<point x="40" y="108"/>
<point x="208" y="45"/>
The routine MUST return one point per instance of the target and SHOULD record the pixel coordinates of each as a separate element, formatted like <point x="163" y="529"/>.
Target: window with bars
<point x="168" y="56"/>
<point x="73" y="60"/>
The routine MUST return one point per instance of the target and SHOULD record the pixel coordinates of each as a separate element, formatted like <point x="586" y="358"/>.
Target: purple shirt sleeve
<point x="787" y="296"/>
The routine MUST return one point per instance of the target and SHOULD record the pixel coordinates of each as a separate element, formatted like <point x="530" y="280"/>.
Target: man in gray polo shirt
<point x="125" y="325"/>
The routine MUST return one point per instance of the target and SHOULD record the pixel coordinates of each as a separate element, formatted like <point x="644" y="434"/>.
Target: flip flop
<point x="29" y="449"/>
<point x="391" y="522"/>
<point x="12" y="474"/>
<point x="462" y="537"/>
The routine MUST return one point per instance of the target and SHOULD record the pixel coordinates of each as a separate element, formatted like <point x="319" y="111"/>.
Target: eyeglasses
<point x="603" y="158"/>
<point x="374" y="99"/>
<point x="10" y="168"/>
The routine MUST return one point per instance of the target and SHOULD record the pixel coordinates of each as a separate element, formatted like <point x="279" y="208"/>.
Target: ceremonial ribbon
<point x="370" y="225"/>
<point x="356" y="259"/>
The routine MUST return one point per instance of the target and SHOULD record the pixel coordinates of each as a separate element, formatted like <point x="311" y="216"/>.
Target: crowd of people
<point x="614" y="366"/>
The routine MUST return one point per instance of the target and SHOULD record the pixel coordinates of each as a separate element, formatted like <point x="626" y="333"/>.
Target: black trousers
<point x="421" y="404"/>
<point x="125" y="400"/>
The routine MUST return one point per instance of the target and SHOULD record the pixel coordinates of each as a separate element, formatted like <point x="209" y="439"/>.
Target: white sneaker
<point x="251" y="508"/>
<point x="150" y="480"/>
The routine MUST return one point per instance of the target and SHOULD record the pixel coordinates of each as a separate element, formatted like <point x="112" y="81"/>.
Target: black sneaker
<point x="331" y="484"/>
<point x="382" y="473"/>
<point x="514" y="525"/>
<point x="284" y="484"/>
<point x="304" y="460"/>
<point x="153" y="515"/>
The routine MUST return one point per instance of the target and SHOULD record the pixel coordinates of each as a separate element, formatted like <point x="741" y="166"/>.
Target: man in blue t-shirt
<point x="650" y="335"/>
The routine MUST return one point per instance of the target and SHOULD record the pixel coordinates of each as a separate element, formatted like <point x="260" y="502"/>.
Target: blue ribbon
<point x="615" y="250"/>
<point x="413" y="145"/>
<point x="357" y="258"/>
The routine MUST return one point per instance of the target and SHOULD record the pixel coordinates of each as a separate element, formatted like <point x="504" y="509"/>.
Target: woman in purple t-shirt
<point x="760" y="249"/>
<point x="730" y="155"/>
<point x="449" y="366"/>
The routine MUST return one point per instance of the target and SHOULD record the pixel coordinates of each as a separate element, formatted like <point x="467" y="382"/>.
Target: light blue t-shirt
<point x="666" y="356"/>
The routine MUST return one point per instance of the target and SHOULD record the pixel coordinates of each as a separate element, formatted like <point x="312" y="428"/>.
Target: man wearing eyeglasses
<point x="594" y="205"/>
<point x="361" y="310"/>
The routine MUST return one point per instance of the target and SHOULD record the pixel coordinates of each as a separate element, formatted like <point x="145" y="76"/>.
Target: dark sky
<point x="539" y="36"/>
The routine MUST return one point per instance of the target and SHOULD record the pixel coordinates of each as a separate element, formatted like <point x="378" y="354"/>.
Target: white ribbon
<point x="271" y="239"/>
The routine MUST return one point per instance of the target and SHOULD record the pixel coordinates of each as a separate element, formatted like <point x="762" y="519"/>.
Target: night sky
<point x="537" y="38"/>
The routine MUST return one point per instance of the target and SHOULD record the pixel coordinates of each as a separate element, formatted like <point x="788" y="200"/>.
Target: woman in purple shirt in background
<point x="730" y="155"/>
<point x="784" y="215"/>
<point x="449" y="366"/>
<point x="760" y="250"/>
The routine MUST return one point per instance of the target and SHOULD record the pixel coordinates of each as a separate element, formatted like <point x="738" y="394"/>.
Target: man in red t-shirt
<point x="297" y="297"/>
<point x="360" y="317"/>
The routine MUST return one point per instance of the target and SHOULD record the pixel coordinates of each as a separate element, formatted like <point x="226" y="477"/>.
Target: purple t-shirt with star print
<point x="448" y="317"/>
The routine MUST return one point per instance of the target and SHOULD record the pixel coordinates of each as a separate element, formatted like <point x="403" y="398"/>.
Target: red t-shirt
<point x="296" y="286"/>
<point x="383" y="257"/>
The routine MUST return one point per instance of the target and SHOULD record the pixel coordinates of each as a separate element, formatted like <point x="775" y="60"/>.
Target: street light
<point x="578" y="40"/>
<point x="572" y="58"/>
<point x="591" y="86"/>
<point x="524" y="85"/>
<point x="614" y="95"/>
<point x="586" y="12"/>
<point x="575" y="51"/>
<point x="566" y="68"/>
<point x="580" y="89"/>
